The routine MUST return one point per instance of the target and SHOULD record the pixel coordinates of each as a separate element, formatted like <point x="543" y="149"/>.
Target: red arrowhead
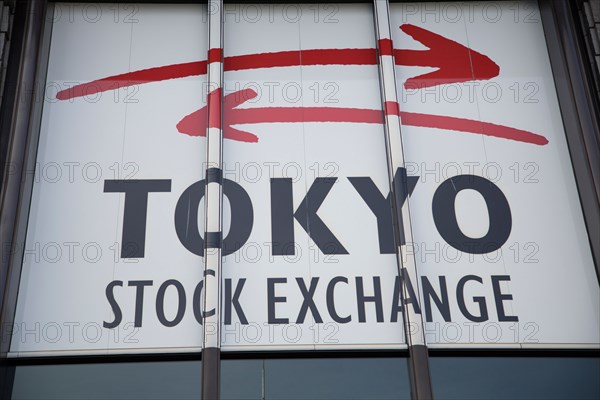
<point x="455" y="62"/>
<point x="195" y="123"/>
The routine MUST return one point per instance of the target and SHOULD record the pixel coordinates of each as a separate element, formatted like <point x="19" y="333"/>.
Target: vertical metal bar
<point x="213" y="237"/>
<point x="16" y="123"/>
<point x="407" y="266"/>
<point x="7" y="378"/>
<point x="579" y="110"/>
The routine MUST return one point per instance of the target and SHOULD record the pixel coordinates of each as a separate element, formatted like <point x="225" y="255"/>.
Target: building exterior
<point x="357" y="200"/>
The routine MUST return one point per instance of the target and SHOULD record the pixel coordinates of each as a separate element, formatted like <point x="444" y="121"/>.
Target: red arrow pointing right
<point x="455" y="63"/>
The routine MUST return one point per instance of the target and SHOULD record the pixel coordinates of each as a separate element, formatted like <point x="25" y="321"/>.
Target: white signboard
<point x="113" y="257"/>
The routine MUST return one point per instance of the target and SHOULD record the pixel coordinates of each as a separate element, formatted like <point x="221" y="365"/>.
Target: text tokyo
<point x="284" y="213"/>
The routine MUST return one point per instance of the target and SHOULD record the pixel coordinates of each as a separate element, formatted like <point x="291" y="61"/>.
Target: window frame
<point x="21" y="120"/>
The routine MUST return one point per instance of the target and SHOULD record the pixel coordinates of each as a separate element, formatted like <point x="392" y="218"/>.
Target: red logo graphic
<point x="454" y="62"/>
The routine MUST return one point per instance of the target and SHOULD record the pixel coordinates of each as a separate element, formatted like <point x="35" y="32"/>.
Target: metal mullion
<point x="579" y="111"/>
<point x="407" y="267"/>
<point x="21" y="113"/>
<point x="213" y="238"/>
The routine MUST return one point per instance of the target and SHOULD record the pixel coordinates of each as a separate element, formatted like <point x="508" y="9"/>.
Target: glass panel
<point x="343" y="379"/>
<point x="500" y="239"/>
<point x="310" y="244"/>
<point x="105" y="263"/>
<point x="480" y="378"/>
<point x="143" y="380"/>
<point x="242" y="379"/>
<point x="315" y="379"/>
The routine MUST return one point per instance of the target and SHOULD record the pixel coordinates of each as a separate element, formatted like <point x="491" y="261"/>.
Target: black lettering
<point x="282" y="217"/>
<point x="282" y="221"/>
<point x="139" y="300"/>
<point x="460" y="296"/>
<point x="186" y="217"/>
<point x="160" y="303"/>
<point x="198" y="302"/>
<point x="412" y="298"/>
<point x="133" y="239"/>
<point x="444" y="214"/>
<point x="442" y="303"/>
<point x="331" y="300"/>
<point x="234" y="300"/>
<point x="382" y="206"/>
<point x="271" y="300"/>
<point x="499" y="297"/>
<point x="308" y="301"/>
<point x="110" y="296"/>
<point x="361" y="299"/>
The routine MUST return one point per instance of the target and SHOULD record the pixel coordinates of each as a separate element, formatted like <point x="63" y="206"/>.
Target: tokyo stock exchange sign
<point x="113" y="256"/>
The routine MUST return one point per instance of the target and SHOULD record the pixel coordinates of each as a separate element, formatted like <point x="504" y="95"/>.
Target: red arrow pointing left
<point x="195" y="123"/>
